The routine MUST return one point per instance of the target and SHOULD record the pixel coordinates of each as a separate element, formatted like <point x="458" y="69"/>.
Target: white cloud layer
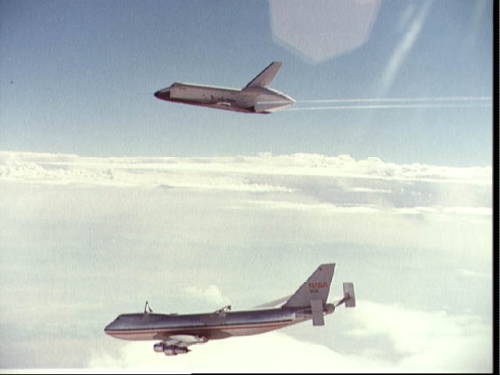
<point x="325" y="183"/>
<point x="85" y="239"/>
<point x="426" y="341"/>
<point x="221" y="172"/>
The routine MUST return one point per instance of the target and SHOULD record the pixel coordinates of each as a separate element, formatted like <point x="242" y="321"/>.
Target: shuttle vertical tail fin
<point x="265" y="77"/>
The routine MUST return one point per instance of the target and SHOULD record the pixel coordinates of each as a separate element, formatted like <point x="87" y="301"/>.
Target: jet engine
<point x="169" y="349"/>
<point x="159" y="347"/>
<point x="174" y="350"/>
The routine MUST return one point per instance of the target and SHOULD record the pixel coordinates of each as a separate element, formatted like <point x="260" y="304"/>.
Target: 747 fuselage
<point x="178" y="331"/>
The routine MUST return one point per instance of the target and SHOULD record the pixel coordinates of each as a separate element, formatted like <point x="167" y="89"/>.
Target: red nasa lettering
<point x="318" y="284"/>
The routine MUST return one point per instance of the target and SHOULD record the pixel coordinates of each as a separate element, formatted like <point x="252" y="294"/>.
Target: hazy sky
<point x="111" y="197"/>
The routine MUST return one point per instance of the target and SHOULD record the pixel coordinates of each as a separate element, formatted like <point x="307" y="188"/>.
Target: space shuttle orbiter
<point x="255" y="97"/>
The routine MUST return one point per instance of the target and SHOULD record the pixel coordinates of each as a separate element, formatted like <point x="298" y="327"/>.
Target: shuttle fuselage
<point x="253" y="98"/>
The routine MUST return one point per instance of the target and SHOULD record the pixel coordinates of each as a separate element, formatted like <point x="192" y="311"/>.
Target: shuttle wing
<point x="265" y="77"/>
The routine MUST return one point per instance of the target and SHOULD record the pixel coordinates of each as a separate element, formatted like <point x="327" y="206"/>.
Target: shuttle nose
<point x="163" y="94"/>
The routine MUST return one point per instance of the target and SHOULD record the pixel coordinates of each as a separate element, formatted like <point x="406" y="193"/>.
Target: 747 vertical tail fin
<point x="314" y="293"/>
<point x="317" y="287"/>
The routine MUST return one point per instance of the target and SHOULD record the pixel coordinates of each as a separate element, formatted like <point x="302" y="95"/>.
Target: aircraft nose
<point x="109" y="327"/>
<point x="163" y="94"/>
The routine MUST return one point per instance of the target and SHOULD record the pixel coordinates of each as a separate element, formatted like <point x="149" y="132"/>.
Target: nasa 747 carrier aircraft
<point x="177" y="332"/>
<point x="255" y="97"/>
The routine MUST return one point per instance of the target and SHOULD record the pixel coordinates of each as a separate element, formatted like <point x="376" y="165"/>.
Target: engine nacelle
<point x="159" y="347"/>
<point x="174" y="350"/>
<point x="169" y="349"/>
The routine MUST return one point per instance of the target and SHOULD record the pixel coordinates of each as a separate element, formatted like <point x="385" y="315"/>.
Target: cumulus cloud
<point x="428" y="341"/>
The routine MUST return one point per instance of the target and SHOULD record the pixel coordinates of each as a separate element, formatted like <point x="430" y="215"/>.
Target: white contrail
<point x="407" y="100"/>
<point x="390" y="106"/>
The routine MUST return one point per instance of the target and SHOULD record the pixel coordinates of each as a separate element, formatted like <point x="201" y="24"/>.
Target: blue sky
<point x="78" y="77"/>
